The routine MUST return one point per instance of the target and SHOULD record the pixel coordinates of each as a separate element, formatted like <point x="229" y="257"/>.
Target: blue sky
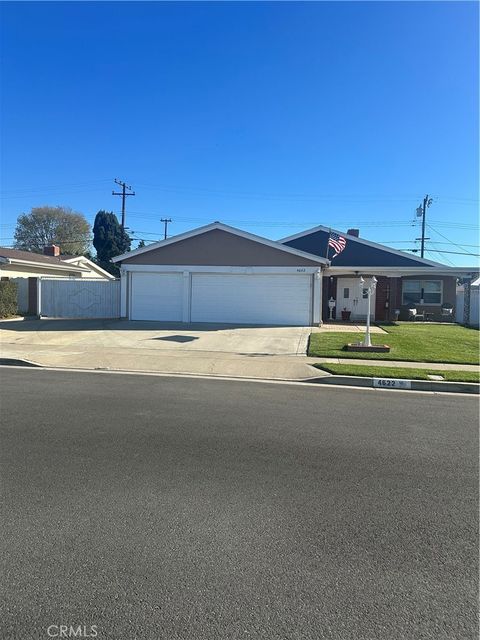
<point x="268" y="116"/>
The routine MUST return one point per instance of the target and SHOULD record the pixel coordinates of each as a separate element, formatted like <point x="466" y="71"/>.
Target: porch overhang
<point x="399" y="272"/>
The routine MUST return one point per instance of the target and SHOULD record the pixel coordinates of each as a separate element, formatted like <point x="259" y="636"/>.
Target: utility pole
<point x="166" y="221"/>
<point x="421" y="212"/>
<point x="124" y="195"/>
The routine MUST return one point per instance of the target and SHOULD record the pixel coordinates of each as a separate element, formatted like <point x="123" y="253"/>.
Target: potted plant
<point x="345" y="314"/>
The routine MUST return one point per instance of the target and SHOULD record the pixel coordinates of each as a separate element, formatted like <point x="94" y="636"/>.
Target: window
<point x="346" y="292"/>
<point x="421" y="292"/>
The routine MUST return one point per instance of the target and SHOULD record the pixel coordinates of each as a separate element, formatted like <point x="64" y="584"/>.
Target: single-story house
<point x="50" y="263"/>
<point x="19" y="266"/>
<point x="217" y="273"/>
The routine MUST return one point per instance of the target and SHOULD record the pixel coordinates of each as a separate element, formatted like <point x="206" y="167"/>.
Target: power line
<point x="448" y="239"/>
<point x="458" y="253"/>
<point x="442" y="253"/>
<point x="147" y="215"/>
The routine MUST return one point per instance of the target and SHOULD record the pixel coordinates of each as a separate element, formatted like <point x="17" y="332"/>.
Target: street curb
<point x="332" y="380"/>
<point x="416" y="385"/>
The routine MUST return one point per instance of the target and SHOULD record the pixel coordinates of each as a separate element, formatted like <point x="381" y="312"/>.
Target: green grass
<point x="410" y="373"/>
<point x="408" y="341"/>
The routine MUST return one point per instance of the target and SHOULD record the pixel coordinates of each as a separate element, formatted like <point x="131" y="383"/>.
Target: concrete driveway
<point x="159" y="335"/>
<point x="258" y="352"/>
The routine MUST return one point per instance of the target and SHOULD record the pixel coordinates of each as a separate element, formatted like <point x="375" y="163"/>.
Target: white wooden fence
<point x="22" y="294"/>
<point x="82" y="298"/>
<point x="474" y="306"/>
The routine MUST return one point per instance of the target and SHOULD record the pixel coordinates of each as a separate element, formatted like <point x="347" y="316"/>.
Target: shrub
<point x="8" y="298"/>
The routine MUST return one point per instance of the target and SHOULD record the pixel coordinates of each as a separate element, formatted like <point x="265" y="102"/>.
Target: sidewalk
<point x="215" y="363"/>
<point x="403" y="364"/>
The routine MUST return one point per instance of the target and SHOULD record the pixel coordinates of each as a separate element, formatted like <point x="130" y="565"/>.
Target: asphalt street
<point x="164" y="508"/>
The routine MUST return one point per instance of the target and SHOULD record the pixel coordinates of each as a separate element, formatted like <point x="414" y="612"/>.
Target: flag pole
<point x="328" y="246"/>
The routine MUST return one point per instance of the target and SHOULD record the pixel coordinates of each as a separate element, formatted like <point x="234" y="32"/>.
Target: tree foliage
<point x="8" y="298"/>
<point x="109" y="239"/>
<point x="45" y="226"/>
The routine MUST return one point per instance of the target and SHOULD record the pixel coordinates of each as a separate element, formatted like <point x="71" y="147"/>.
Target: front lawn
<point x="408" y="341"/>
<point x="408" y="373"/>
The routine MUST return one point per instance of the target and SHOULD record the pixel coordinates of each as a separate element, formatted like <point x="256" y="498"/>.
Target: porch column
<point x="317" y="298"/>
<point x="466" y="302"/>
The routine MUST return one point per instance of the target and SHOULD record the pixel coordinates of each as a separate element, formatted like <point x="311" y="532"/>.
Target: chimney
<point x="354" y="232"/>
<point x="53" y="250"/>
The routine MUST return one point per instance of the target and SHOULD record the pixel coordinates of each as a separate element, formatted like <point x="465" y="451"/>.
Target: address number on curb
<point x="392" y="383"/>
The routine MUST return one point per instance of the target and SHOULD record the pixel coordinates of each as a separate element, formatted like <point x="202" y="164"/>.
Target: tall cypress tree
<point x="109" y="239"/>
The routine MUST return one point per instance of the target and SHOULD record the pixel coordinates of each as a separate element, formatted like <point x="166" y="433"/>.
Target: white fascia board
<point x="368" y="243"/>
<point x="222" y="227"/>
<point x="92" y="266"/>
<point x="169" y="268"/>
<point x="398" y="272"/>
<point x="46" y="265"/>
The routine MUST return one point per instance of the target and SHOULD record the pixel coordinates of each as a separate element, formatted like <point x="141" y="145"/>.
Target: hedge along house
<point x="404" y="280"/>
<point x="220" y="274"/>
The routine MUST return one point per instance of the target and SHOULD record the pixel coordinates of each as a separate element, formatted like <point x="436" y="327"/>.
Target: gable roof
<point x="316" y="239"/>
<point x="226" y="228"/>
<point x="16" y="256"/>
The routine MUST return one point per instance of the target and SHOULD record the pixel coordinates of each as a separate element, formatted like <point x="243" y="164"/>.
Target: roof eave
<point x="46" y="265"/>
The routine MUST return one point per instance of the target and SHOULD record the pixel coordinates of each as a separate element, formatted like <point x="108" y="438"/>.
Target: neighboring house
<point x="94" y="271"/>
<point x="404" y="280"/>
<point x="21" y="265"/>
<point x="220" y="274"/>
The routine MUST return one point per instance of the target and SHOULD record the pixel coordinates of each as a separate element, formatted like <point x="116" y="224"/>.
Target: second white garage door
<point x="251" y="298"/>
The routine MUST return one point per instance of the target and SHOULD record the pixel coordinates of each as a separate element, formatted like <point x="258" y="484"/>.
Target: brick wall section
<point x="329" y="290"/>
<point x="382" y="297"/>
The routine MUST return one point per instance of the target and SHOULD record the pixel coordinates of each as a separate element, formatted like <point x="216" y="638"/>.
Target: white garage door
<point x="157" y="296"/>
<point x="251" y="299"/>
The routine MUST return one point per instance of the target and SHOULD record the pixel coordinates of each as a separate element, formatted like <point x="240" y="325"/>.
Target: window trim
<point x="422" y="287"/>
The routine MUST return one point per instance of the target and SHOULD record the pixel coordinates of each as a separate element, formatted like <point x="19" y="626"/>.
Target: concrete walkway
<point x="338" y="327"/>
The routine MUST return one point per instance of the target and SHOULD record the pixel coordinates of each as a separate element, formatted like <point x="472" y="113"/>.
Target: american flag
<point x="337" y="242"/>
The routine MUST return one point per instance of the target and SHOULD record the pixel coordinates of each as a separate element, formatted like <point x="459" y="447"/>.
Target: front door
<point x="351" y="298"/>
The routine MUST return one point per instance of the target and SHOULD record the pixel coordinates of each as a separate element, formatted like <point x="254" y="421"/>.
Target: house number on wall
<point x="301" y="270"/>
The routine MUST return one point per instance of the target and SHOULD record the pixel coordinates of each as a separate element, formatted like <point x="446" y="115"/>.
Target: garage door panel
<point x="251" y="298"/>
<point x="157" y="296"/>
